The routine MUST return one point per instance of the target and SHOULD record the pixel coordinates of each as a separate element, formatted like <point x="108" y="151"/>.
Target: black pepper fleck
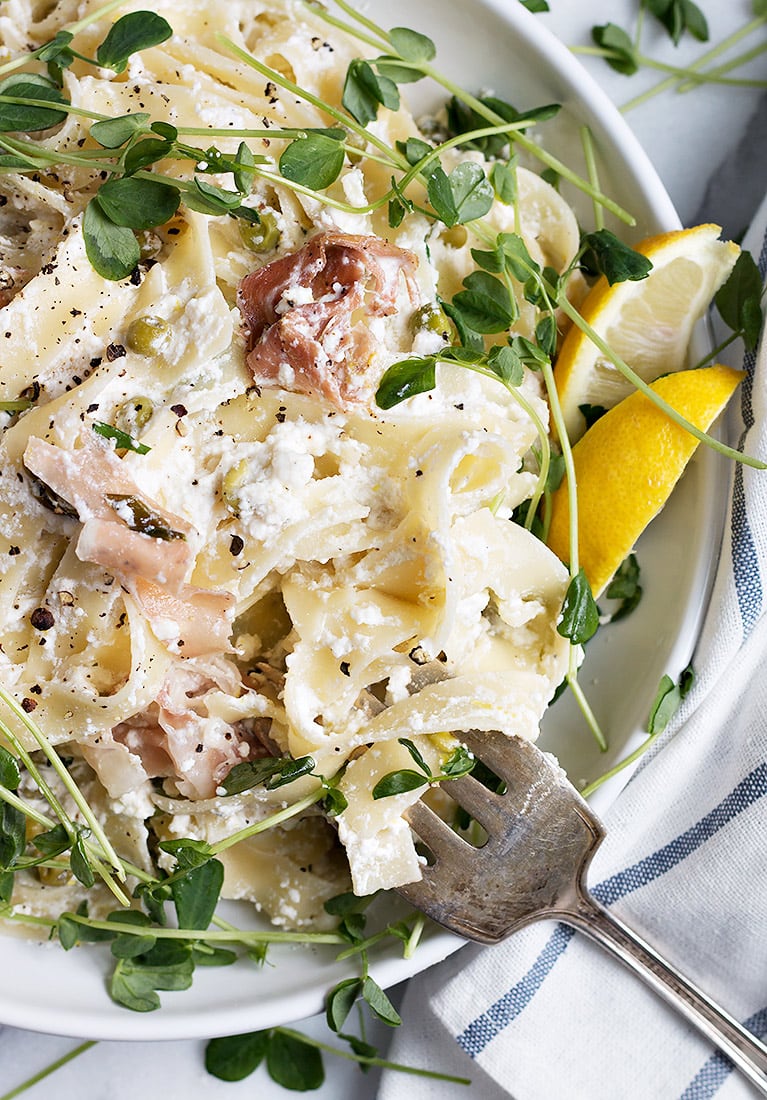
<point x="236" y="546"/>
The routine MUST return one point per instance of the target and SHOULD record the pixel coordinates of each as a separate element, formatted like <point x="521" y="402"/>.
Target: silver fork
<point x="541" y="837"/>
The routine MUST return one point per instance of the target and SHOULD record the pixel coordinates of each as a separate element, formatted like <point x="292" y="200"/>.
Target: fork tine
<point x="513" y="759"/>
<point x="433" y="831"/>
<point x="483" y="805"/>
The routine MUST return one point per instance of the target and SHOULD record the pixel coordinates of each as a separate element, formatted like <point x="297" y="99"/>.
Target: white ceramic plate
<point x="498" y="45"/>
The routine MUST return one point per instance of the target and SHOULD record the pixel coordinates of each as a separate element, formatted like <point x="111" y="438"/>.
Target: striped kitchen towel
<point x="547" y="1015"/>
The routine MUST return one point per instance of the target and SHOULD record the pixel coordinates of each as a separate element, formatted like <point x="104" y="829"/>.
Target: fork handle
<point x="721" y="1029"/>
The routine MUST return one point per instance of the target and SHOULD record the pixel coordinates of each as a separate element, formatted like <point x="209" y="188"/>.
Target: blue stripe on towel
<point x="713" y="1073"/>
<point x="745" y="563"/>
<point x="476" y="1036"/>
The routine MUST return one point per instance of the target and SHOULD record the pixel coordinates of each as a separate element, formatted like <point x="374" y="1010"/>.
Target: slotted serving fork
<point x="541" y="837"/>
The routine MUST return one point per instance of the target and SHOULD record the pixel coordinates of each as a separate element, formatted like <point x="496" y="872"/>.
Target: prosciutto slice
<point x="86" y="477"/>
<point x="186" y="732"/>
<point x="307" y="315"/>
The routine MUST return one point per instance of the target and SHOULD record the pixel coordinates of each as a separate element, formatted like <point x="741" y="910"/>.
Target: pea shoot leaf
<point x="243" y="175"/>
<point x="504" y="180"/>
<point x="535" y="5"/>
<point x="188" y="852"/>
<point x="380" y="1004"/>
<point x="138" y="203"/>
<point x="365" y="90"/>
<point x="343" y="904"/>
<point x="293" y="1063"/>
<point x="23" y="116"/>
<point x="352" y="927"/>
<point x="154" y="895"/>
<point x="56" y="50"/>
<point x="314" y="161"/>
<point x="546" y="334"/>
<point x="463" y="119"/>
<point x="128" y="945"/>
<point x="10" y="773"/>
<point x="622" y="55"/>
<point x="138" y="30"/>
<point x="468" y="337"/>
<point x="739" y="300"/>
<point x="392" y="67"/>
<point x="6" y="886"/>
<point x="166" y="130"/>
<point x="580" y="617"/>
<point x="412" y="46"/>
<point x="399" y="206"/>
<point x="414" y="150"/>
<point x="398" y="782"/>
<point x="52" y="842"/>
<point x="334" y="802"/>
<point x="341" y="1001"/>
<point x="206" y="198"/>
<point x="13" y="835"/>
<point x="416" y="755"/>
<point x="111" y="133"/>
<point x="405" y="379"/>
<point x="80" y="864"/>
<point x="204" y="955"/>
<point x="506" y="364"/>
<point x="169" y="965"/>
<point x="462" y="196"/>
<point x="460" y="762"/>
<point x="518" y="261"/>
<point x="605" y="254"/>
<point x="272" y="771"/>
<point x="678" y="16"/>
<point x="195" y="894"/>
<point x="144" y="152"/>
<point x="591" y="413"/>
<point x="625" y="587"/>
<point x="235" y="1057"/>
<point x="668" y="700"/>
<point x="486" y="304"/>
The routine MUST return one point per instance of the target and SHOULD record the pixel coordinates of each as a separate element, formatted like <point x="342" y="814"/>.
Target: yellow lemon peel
<point x="627" y="464"/>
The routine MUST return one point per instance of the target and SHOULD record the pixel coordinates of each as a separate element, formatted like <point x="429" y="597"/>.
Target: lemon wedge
<point x="647" y="323"/>
<point x="627" y="464"/>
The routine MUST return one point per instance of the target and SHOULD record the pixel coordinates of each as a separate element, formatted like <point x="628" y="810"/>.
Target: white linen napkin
<point x="548" y="1015"/>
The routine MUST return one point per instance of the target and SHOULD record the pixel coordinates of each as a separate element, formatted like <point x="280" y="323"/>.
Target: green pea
<point x="261" y="236"/>
<point x="232" y="483"/>
<point x="134" y="415"/>
<point x="148" y="335"/>
<point x="432" y="318"/>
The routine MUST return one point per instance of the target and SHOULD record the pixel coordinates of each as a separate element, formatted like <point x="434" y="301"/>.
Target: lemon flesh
<point x="627" y="464"/>
<point x="646" y="323"/>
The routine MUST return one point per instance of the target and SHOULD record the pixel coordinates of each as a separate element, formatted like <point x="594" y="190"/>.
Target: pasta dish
<point x="234" y="582"/>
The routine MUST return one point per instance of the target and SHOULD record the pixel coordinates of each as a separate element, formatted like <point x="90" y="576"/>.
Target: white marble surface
<point x="710" y="149"/>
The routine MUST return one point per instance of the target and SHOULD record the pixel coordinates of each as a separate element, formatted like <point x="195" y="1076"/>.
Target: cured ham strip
<point x="306" y="315"/>
<point x="194" y="623"/>
<point x="182" y="735"/>
<point x="87" y="477"/>
<point x="127" y="553"/>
